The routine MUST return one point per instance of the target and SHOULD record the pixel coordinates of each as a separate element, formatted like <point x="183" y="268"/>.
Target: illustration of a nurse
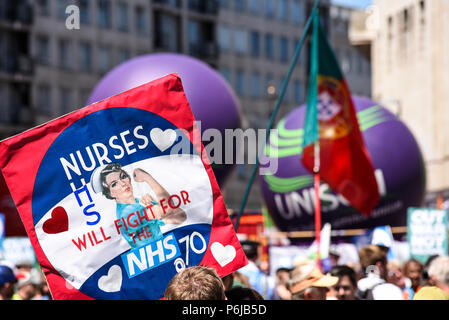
<point x="148" y="216"/>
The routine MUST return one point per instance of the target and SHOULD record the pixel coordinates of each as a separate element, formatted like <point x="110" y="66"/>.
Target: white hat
<point x="95" y="180"/>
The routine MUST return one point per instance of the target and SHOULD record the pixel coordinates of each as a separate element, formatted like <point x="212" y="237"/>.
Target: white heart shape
<point x="222" y="254"/>
<point x="112" y="282"/>
<point x="163" y="139"/>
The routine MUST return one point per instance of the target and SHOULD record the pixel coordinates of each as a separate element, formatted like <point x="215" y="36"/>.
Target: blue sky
<point x="359" y="4"/>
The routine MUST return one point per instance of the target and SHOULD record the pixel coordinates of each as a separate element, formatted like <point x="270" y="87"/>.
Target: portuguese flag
<point x="333" y="144"/>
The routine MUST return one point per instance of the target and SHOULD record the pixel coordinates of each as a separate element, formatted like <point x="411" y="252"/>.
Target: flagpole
<point x="315" y="134"/>
<point x="273" y="115"/>
<point x="316" y="174"/>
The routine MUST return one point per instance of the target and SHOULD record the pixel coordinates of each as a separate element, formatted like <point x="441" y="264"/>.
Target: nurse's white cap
<point x="95" y="181"/>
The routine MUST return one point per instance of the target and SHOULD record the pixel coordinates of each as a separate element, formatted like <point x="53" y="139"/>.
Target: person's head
<point x="310" y="293"/>
<point x="196" y="283"/>
<point x="7" y="282"/>
<point x="242" y="293"/>
<point x="413" y="270"/>
<point x="439" y="272"/>
<point x="395" y="273"/>
<point x="228" y="281"/>
<point x="24" y="265"/>
<point x="373" y="258"/>
<point x="250" y="248"/>
<point x="307" y="282"/>
<point x="347" y="283"/>
<point x="427" y="280"/>
<point x="27" y="284"/>
<point x="283" y="275"/>
<point x="240" y="279"/>
<point x="116" y="182"/>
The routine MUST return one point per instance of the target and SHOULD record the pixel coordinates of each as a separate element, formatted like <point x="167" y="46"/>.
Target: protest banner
<point x="18" y="250"/>
<point x="118" y="197"/>
<point x="427" y="233"/>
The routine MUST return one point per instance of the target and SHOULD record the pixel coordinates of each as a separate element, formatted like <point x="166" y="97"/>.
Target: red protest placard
<point x="119" y="196"/>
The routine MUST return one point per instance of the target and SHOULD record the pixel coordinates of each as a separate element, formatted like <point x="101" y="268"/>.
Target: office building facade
<point x="250" y="42"/>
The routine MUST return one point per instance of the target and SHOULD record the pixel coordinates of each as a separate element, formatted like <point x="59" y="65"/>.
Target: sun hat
<point x="309" y="275"/>
<point x="28" y="277"/>
<point x="431" y="293"/>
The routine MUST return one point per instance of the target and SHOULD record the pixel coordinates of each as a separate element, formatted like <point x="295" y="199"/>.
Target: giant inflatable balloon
<point x="212" y="100"/>
<point x="289" y="193"/>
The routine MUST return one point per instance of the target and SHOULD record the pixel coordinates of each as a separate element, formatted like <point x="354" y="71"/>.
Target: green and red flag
<point x="333" y="144"/>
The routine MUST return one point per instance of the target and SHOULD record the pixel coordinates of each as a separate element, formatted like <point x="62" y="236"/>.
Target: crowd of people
<point x="22" y="281"/>
<point x="374" y="278"/>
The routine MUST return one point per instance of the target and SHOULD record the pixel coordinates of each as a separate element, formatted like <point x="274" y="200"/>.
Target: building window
<point x="239" y="5"/>
<point x="269" y="8"/>
<point x="269" y="50"/>
<point x="61" y="6"/>
<point x="240" y="82"/>
<point x="123" y="55"/>
<point x="43" y="102"/>
<point x="226" y="73"/>
<point x="85" y="57"/>
<point x="298" y="91"/>
<point x="194" y="32"/>
<point x="255" y="43"/>
<point x="122" y="17"/>
<point x="66" y="100"/>
<point x="255" y="85"/>
<point x="166" y="32"/>
<point x="104" y="60"/>
<point x="43" y="7"/>
<point x="171" y="3"/>
<point x="84" y="11"/>
<point x="254" y="6"/>
<point x="298" y="11"/>
<point x="224" y="38"/>
<point x="43" y="50"/>
<point x="422" y="11"/>
<point x="141" y="21"/>
<point x="65" y="54"/>
<point x="224" y="4"/>
<point x="422" y="26"/>
<point x="283" y="47"/>
<point x="104" y="13"/>
<point x="240" y="41"/>
<point x="283" y="10"/>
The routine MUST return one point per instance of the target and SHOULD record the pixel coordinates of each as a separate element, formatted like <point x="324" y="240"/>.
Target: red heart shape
<point x="59" y="221"/>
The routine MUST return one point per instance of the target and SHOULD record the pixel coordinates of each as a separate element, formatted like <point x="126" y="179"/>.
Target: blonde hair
<point x="439" y="268"/>
<point x="196" y="283"/>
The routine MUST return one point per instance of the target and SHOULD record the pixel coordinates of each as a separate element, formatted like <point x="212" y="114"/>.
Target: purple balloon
<point x="212" y="100"/>
<point x="400" y="172"/>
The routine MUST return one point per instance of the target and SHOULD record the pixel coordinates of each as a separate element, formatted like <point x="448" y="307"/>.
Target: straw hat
<point x="309" y="275"/>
